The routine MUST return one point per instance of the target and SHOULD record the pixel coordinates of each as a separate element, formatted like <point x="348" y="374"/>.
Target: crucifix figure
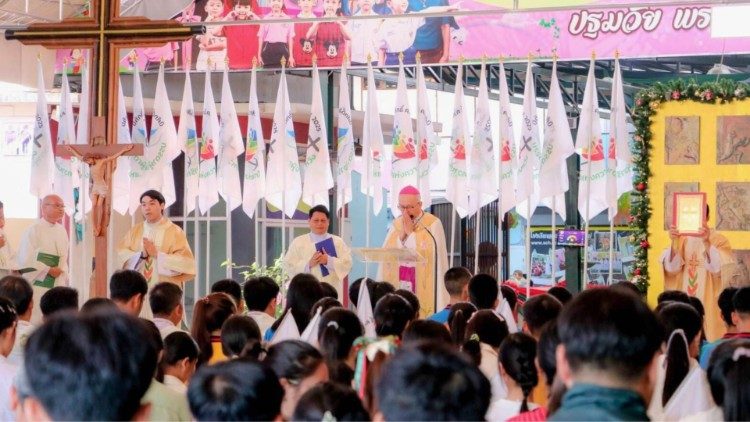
<point x="104" y="32"/>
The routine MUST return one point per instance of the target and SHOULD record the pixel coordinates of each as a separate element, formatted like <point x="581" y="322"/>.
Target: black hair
<point x="124" y="284"/>
<point x="673" y="296"/>
<point x="293" y="360"/>
<point x="303" y="292"/>
<point x="178" y="346"/>
<point x="98" y="304"/>
<point x="721" y="359"/>
<point x="259" y="292"/>
<point x="230" y="287"/>
<point x="456" y="279"/>
<point x="153" y="336"/>
<point x="485" y="326"/>
<point x="412" y="299"/>
<point x="609" y="331"/>
<point x="549" y="339"/>
<point x="319" y="208"/>
<point x="426" y="330"/>
<point x="153" y="194"/>
<point x="392" y="313"/>
<point x="76" y="363"/>
<point x="324" y="304"/>
<point x="337" y="331"/>
<point x="438" y="381"/>
<point x="18" y="290"/>
<point x="164" y="298"/>
<point x="380" y="289"/>
<point x="516" y="355"/>
<point x="209" y="315"/>
<point x="240" y="336"/>
<point x="741" y="301"/>
<point x="726" y="305"/>
<point x="8" y="314"/>
<point x="627" y="286"/>
<point x="510" y="295"/>
<point x="58" y="299"/>
<point x="736" y="403"/>
<point x="678" y="316"/>
<point x="560" y="293"/>
<point x="329" y="290"/>
<point x="698" y="306"/>
<point x="235" y="390"/>
<point x="330" y="399"/>
<point x="457" y="318"/>
<point x="539" y="310"/>
<point x="354" y="290"/>
<point x="483" y="291"/>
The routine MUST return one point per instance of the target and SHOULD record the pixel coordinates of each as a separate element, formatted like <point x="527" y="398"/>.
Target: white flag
<point x="82" y="134"/>
<point x="528" y="150"/>
<point x="283" y="184"/>
<point x="121" y="177"/>
<point x="427" y="158"/>
<point x="138" y="165"/>
<point x="592" y="196"/>
<point x="310" y="335"/>
<point x="231" y="146"/>
<point x="482" y="170"/>
<point x="507" y="153"/>
<point x="372" y="146"/>
<point x="457" y="190"/>
<point x="404" y="156"/>
<point x="287" y="329"/>
<point x="618" y="137"/>
<point x="187" y="137"/>
<point x="364" y="310"/>
<point x="162" y="146"/>
<point x="208" y="187"/>
<point x="65" y="178"/>
<point x="255" y="152"/>
<point x="318" y="177"/>
<point x="42" y="159"/>
<point x="345" y="147"/>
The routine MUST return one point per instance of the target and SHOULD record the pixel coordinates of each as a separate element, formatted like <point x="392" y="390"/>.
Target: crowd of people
<point x="602" y="354"/>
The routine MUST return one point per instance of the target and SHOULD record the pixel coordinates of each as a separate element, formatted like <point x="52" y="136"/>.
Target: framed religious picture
<point x="689" y="212"/>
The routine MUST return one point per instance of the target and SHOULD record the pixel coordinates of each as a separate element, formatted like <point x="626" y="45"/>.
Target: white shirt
<point x="7" y="256"/>
<point x="165" y="326"/>
<point x="46" y="237"/>
<point x="398" y="34"/>
<point x="7" y="374"/>
<point x="175" y="384"/>
<point x="504" y="409"/>
<point x="364" y="33"/>
<point x="23" y="331"/>
<point x="263" y="320"/>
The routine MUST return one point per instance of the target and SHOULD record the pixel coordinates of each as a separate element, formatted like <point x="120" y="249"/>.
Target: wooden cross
<point x="104" y="32"/>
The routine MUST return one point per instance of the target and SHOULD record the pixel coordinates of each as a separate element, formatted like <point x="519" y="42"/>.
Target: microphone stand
<point x="435" y="271"/>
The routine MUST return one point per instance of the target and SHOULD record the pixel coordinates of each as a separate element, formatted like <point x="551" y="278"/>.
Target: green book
<point x="50" y="261"/>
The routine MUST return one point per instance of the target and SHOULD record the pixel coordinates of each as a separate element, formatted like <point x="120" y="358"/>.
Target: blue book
<point x="330" y="249"/>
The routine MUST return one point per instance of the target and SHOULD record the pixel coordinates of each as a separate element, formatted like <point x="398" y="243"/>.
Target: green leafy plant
<point x="275" y="271"/>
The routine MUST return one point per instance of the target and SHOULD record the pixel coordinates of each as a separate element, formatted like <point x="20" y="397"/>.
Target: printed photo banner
<point x="475" y="28"/>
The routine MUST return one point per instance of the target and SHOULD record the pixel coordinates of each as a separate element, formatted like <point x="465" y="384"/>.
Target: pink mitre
<point x="409" y="190"/>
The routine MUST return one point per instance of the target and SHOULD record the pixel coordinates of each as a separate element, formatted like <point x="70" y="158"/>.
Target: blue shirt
<point x="442" y="316"/>
<point x="430" y="35"/>
<point x="706" y="351"/>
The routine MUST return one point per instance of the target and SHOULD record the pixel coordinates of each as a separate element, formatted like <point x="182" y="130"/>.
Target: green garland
<point x="647" y="102"/>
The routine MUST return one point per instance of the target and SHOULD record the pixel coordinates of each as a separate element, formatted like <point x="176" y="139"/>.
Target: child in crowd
<point x="240" y="337"/>
<point x="299" y="367"/>
<point x="21" y="294"/>
<point x="209" y="314"/>
<point x="456" y="283"/>
<point x="304" y="47"/>
<point x="260" y="298"/>
<point x="538" y="311"/>
<point x="426" y="330"/>
<point x="459" y="315"/>
<point x="412" y="299"/>
<point x="277" y="39"/>
<point x="726" y="307"/>
<point x="728" y="375"/>
<point x="233" y="289"/>
<point x="213" y="44"/>
<point x="329" y="38"/>
<point x="179" y="360"/>
<point x="337" y="331"/>
<point x="8" y="322"/>
<point x="510" y="295"/>
<point x="517" y="368"/>
<point x="303" y="292"/>
<point x="329" y="401"/>
<point x="363" y="32"/>
<point x="485" y="332"/>
<point x="392" y="313"/>
<point x="560" y="293"/>
<point x="242" y="40"/>
<point x="483" y="291"/>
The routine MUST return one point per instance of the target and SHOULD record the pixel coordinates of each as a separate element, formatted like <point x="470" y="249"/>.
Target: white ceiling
<point x="14" y="13"/>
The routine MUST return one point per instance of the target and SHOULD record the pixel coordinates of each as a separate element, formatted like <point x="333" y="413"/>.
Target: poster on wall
<point x="16" y="136"/>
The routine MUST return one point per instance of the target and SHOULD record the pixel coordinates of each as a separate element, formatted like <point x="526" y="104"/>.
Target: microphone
<point x="435" y="262"/>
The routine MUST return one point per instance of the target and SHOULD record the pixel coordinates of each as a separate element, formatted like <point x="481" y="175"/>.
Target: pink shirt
<point x="276" y="32"/>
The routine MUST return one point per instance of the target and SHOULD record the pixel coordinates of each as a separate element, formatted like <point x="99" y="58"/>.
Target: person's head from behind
<point x="180" y="356"/>
<point x="483" y="291"/>
<point x="726" y="306"/>
<point x="380" y="289"/>
<point x="609" y="337"/>
<point x="561" y="294"/>
<point x="426" y="330"/>
<point x="166" y="302"/>
<point x="128" y="288"/>
<point x="516" y="364"/>
<point x="58" y="299"/>
<point x="538" y="311"/>
<point x="441" y="385"/>
<point x="458" y="318"/>
<point x="20" y="293"/>
<point x="673" y="296"/>
<point x="412" y="299"/>
<point x="484" y="326"/>
<point x="233" y="289"/>
<point x="392" y="313"/>
<point x="627" y="286"/>
<point x="304" y="290"/>
<point x="456" y="282"/>
<point x="261" y="294"/>
<point x="240" y="337"/>
<point x="329" y="291"/>
<point x="741" y="313"/>
<point x="728" y="371"/>
<point x="89" y="367"/>
<point x="354" y="289"/>
<point x="8" y="322"/>
<point x="299" y="367"/>
<point x="546" y="349"/>
<point x="511" y="296"/>
<point x="323" y="305"/>
<point x="209" y="314"/>
<point x="235" y="390"/>
<point x="337" y="331"/>
<point x="327" y="400"/>
<point x="97" y="304"/>
<point x="152" y="205"/>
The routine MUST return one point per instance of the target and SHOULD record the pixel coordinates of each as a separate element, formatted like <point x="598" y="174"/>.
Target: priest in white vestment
<point x="156" y="247"/>
<point x="48" y="237"/>
<point x="7" y="256"/>
<point x="310" y="253"/>
<point x="422" y="232"/>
